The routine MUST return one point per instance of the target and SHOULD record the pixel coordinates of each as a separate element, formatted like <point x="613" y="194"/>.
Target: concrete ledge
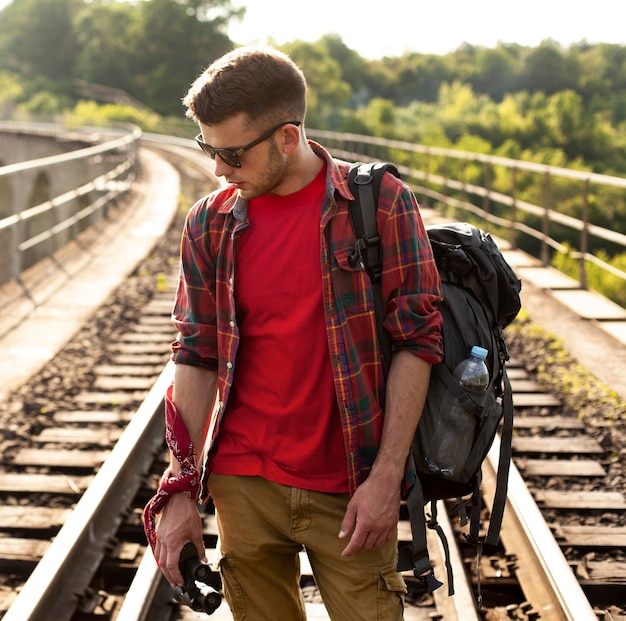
<point x="545" y="277"/>
<point x="590" y="305"/>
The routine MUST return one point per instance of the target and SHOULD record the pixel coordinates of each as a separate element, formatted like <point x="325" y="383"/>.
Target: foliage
<point x="152" y="50"/>
<point x="11" y="89"/>
<point x="570" y="101"/>
<point x="560" y="106"/>
<point x="327" y="93"/>
<point x="598" y="279"/>
<point x="37" y="37"/>
<point x="92" y="113"/>
<point x="558" y="370"/>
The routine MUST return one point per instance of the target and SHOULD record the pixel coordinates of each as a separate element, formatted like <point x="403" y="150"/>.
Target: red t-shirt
<point x="282" y="421"/>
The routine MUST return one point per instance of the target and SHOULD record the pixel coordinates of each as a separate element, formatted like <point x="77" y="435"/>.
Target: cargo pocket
<point x="232" y="589"/>
<point x="391" y="592"/>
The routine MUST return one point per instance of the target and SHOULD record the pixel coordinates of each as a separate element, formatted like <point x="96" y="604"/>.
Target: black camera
<point x="198" y="593"/>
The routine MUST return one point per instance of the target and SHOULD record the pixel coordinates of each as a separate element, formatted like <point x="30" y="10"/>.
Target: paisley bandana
<point x="188" y="479"/>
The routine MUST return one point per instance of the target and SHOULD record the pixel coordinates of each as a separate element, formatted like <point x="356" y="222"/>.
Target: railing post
<point x="425" y="199"/>
<point x="584" y="237"/>
<point x="513" y="229"/>
<point x="464" y="180"/>
<point x="19" y="236"/>
<point x="487" y="196"/>
<point x="545" y="228"/>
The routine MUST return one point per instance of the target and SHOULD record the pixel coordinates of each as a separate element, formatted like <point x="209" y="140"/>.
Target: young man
<point x="278" y="370"/>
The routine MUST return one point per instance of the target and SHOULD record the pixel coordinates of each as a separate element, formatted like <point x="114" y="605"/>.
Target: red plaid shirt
<point x="206" y="318"/>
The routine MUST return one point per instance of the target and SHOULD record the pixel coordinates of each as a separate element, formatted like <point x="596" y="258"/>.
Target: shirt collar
<point x="337" y="178"/>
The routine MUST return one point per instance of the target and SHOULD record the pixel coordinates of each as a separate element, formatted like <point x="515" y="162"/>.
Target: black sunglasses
<point x="230" y="157"/>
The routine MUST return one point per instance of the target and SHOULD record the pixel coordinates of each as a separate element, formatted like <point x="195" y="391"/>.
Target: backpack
<point x="480" y="298"/>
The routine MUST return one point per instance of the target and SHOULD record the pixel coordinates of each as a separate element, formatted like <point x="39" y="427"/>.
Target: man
<point x="278" y="371"/>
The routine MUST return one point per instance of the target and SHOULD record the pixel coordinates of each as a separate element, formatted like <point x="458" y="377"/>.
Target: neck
<point x="304" y="166"/>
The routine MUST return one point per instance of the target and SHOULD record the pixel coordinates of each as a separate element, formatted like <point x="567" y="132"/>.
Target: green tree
<point x="11" y="92"/>
<point x="379" y="117"/>
<point x="37" y="38"/>
<point x="105" y="33"/>
<point x="547" y="69"/>
<point x="328" y="94"/>
<point x="353" y="67"/>
<point x="175" y="40"/>
<point x="415" y="77"/>
<point x="602" y="81"/>
<point x="496" y="72"/>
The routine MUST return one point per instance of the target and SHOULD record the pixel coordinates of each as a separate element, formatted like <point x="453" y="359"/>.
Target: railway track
<point x="73" y="480"/>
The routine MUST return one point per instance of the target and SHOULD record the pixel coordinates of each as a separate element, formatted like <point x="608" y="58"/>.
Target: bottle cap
<point x="479" y="352"/>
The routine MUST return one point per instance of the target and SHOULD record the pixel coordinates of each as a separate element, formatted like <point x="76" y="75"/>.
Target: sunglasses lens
<point x="206" y="149"/>
<point x="230" y="158"/>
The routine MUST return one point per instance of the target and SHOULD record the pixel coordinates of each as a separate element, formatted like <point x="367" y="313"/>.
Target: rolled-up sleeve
<point x="411" y="284"/>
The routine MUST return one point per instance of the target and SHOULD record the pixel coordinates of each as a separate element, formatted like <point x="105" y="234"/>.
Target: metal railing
<point x="461" y="180"/>
<point x="431" y="181"/>
<point x="108" y="168"/>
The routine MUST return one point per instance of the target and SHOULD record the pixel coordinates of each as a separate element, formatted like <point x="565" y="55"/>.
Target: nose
<point x="221" y="167"/>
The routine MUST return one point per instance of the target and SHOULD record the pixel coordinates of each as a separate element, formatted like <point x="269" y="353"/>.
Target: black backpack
<point x="481" y="297"/>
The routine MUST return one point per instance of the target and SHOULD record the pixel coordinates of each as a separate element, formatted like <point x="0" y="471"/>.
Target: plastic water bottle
<point x="453" y="437"/>
<point x="472" y="372"/>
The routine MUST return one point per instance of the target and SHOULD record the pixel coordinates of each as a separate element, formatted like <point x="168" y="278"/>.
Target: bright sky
<point x="375" y="28"/>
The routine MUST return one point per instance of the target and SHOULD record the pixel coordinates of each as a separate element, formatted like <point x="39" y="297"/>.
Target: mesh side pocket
<point x="446" y="432"/>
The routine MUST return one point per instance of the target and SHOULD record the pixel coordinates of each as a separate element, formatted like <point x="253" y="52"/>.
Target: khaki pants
<point x="263" y="526"/>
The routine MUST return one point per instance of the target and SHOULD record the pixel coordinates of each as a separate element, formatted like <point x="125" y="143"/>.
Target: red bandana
<point x="188" y="479"/>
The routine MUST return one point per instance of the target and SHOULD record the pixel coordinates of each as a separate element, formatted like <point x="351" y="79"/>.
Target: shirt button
<point x="229" y="365"/>
<point x="232" y="324"/>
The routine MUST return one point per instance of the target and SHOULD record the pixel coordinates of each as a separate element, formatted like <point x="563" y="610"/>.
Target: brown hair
<point x="261" y="82"/>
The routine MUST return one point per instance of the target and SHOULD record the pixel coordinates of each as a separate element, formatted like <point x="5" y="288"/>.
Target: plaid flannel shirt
<point x="206" y="318"/>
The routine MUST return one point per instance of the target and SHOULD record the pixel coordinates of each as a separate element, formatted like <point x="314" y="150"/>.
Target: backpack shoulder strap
<point x="415" y="557"/>
<point x="506" y="439"/>
<point x="364" y="182"/>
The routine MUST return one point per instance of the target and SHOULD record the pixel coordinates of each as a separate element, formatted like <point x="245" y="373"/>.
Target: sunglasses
<point x="230" y="157"/>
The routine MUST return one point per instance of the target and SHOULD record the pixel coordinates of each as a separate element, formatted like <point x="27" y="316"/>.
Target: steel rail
<point x="81" y="544"/>
<point x="138" y="600"/>
<point x="543" y="572"/>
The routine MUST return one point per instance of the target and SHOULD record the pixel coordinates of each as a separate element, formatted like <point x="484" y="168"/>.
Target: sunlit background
<point x="375" y="28"/>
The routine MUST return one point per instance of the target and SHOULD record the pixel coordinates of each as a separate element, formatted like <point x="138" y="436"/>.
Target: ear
<point x="291" y="136"/>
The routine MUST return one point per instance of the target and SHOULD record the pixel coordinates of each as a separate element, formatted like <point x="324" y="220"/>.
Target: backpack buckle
<point x="429" y="580"/>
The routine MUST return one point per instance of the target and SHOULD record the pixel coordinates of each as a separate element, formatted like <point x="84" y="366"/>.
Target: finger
<point x="373" y="540"/>
<point x="367" y="540"/>
<point x="356" y="543"/>
<point x="378" y="540"/>
<point x="163" y="565"/>
<point x="348" y="523"/>
<point x="172" y="571"/>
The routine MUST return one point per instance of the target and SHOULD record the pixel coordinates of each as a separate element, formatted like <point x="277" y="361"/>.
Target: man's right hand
<point x="178" y="524"/>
